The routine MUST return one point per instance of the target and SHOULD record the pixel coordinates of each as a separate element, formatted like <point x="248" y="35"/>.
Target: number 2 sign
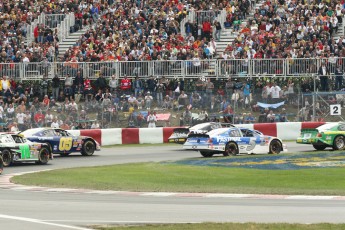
<point x="335" y="110"/>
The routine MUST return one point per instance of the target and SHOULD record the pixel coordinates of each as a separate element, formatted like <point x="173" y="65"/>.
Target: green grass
<point x="170" y="177"/>
<point x="226" y="226"/>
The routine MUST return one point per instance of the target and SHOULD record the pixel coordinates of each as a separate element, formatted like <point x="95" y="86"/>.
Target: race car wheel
<point x="88" y="148"/>
<point x="319" y="147"/>
<point x="6" y="157"/>
<point x="231" y="148"/>
<point x="206" y="153"/>
<point x="43" y="156"/>
<point x="339" y="143"/>
<point x="275" y="147"/>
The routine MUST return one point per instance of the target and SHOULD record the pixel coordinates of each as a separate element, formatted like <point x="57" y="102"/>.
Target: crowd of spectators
<point x="289" y="30"/>
<point x="148" y="31"/>
<point x="15" y="16"/>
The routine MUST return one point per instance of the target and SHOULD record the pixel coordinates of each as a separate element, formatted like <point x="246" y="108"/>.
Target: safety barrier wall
<point x="285" y="131"/>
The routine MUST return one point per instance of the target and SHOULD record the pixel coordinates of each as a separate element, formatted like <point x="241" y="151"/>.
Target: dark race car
<point x="180" y="135"/>
<point x="62" y="142"/>
<point x="15" y="148"/>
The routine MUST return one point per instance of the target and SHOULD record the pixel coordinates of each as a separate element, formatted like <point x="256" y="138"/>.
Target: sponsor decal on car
<point x="227" y="139"/>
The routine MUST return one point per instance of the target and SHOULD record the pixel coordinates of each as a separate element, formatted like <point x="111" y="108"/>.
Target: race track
<point x="61" y="210"/>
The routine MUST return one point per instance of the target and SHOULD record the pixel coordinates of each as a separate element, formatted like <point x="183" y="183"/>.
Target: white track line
<point x="35" y="221"/>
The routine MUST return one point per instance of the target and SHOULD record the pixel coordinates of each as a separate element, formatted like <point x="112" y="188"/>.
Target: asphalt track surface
<point x="58" y="210"/>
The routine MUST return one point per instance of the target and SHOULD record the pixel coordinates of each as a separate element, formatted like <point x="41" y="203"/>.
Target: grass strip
<point x="226" y="226"/>
<point x="171" y="177"/>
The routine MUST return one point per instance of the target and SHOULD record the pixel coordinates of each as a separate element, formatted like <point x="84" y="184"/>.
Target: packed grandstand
<point x="123" y="69"/>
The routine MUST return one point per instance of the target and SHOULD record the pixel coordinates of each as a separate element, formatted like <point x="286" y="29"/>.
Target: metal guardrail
<point x="62" y="22"/>
<point x="53" y="20"/>
<point x="172" y="69"/>
<point x="65" y="25"/>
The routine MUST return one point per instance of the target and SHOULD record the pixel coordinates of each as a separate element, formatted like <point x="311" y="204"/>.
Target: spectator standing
<point x="39" y="118"/>
<point x="126" y="85"/>
<point x="55" y="87"/>
<point x="209" y="89"/>
<point x="148" y="100"/>
<point x="55" y="124"/>
<point x="206" y="29"/>
<point x="4" y="84"/>
<point x="218" y="27"/>
<point x="14" y="127"/>
<point x="78" y="80"/>
<point x="324" y="74"/>
<point x="160" y="88"/>
<point x="101" y="83"/>
<point x="246" y="95"/>
<point x="338" y="78"/>
<point x="68" y="86"/>
<point x="228" y="114"/>
<point x="151" y="120"/>
<point x="21" y="120"/>
<point x="113" y="84"/>
<point x="151" y="84"/>
<point x="88" y="92"/>
<point x="48" y="118"/>
<point x="275" y="93"/>
<point x="44" y="86"/>
<point x="138" y="86"/>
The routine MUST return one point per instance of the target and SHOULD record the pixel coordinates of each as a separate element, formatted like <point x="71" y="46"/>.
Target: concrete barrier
<point x="283" y="130"/>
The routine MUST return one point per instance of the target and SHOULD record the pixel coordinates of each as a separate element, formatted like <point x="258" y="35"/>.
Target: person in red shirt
<point x="206" y="29"/>
<point x="126" y="85"/>
<point x="39" y="118"/>
<point x="228" y="114"/>
<point x="88" y="92"/>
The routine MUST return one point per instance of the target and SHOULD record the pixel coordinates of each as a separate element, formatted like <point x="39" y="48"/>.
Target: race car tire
<point x="231" y="149"/>
<point x="1" y="165"/>
<point x="275" y="147"/>
<point x="88" y="148"/>
<point x="339" y="143"/>
<point x="319" y="147"/>
<point x="6" y="157"/>
<point x="206" y="153"/>
<point x="43" y="156"/>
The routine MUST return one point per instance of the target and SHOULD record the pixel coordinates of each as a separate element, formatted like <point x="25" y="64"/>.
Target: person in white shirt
<point x="113" y="84"/>
<point x="95" y="125"/>
<point x="275" y="93"/>
<point x="148" y="100"/>
<point x="48" y="118"/>
<point x="73" y="105"/>
<point x="151" y="119"/>
<point x="55" y="124"/>
<point x="1" y="111"/>
<point x="10" y="111"/>
<point x="21" y="120"/>
<point x="14" y="127"/>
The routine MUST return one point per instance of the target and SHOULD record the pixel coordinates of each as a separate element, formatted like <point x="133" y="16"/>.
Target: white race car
<point x="233" y="141"/>
<point x="180" y="135"/>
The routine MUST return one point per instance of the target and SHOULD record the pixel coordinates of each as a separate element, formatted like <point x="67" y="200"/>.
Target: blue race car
<point x="62" y="142"/>
<point x="233" y="141"/>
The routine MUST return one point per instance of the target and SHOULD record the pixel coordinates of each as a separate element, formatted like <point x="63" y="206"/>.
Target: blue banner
<point x="273" y="106"/>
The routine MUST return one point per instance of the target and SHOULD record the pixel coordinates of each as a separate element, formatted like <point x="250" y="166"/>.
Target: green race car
<point x="327" y="135"/>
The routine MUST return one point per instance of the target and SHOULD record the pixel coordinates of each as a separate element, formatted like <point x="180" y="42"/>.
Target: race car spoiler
<point x="181" y="130"/>
<point x="198" y="135"/>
